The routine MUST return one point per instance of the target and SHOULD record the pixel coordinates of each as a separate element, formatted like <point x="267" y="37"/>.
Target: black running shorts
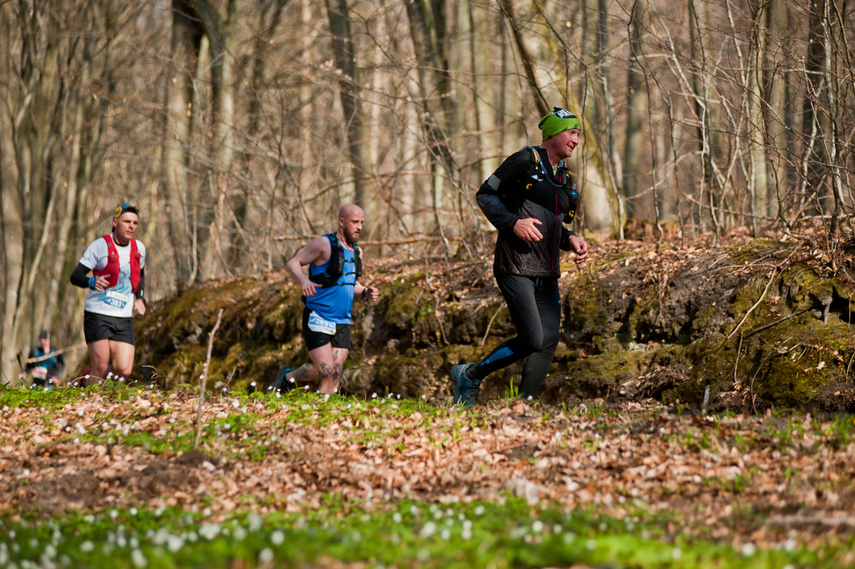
<point x="341" y="338"/>
<point x="101" y="327"/>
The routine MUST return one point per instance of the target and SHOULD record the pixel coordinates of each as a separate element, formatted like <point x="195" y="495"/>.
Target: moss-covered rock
<point x="758" y="317"/>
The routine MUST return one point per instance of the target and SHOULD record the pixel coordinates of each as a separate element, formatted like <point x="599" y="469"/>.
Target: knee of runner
<point x="550" y="340"/>
<point x="540" y="342"/>
<point x="533" y="342"/>
<point x="123" y="373"/>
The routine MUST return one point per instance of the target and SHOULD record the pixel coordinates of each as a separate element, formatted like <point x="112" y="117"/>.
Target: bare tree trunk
<point x="758" y="185"/>
<point x="814" y="122"/>
<point x="835" y="140"/>
<point x="487" y="140"/>
<point x="502" y="97"/>
<point x="186" y="41"/>
<point x="356" y="148"/>
<point x="638" y="26"/>
<point x="11" y="221"/>
<point x="427" y="28"/>
<point x="605" y="111"/>
<point x="704" y="109"/>
<point x="269" y="18"/>
<point x="778" y="113"/>
<point x="307" y="167"/>
<point x="67" y="186"/>
<point x="36" y="134"/>
<point x="538" y="99"/>
<point x="602" y="206"/>
<point x="220" y="32"/>
<point x="483" y="120"/>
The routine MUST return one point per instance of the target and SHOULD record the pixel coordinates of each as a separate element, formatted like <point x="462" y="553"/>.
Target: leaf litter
<point x="783" y="479"/>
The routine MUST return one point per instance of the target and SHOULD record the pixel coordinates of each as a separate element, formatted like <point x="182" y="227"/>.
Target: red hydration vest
<point x="112" y="268"/>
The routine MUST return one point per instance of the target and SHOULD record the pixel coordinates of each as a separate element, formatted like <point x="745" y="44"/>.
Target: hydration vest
<point x="335" y="267"/>
<point x="515" y="194"/>
<point x="113" y="265"/>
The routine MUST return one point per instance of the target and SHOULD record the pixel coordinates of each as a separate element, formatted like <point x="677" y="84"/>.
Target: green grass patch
<point x="507" y="533"/>
<point x="13" y="398"/>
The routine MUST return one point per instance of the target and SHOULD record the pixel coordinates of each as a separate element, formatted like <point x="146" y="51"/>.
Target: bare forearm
<point x="296" y="271"/>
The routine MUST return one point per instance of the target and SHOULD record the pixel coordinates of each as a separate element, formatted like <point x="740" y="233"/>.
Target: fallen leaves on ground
<point x="734" y="479"/>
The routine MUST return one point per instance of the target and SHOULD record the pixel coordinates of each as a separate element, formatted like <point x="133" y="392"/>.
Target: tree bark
<point x="778" y="121"/>
<point x="11" y="221"/>
<point x="635" y="98"/>
<point x="356" y="148"/>
<point x="538" y="99"/>
<point x="833" y="75"/>
<point x="269" y="18"/>
<point x="186" y="41"/>
<point x="705" y="112"/>
<point x="220" y="32"/>
<point x="758" y="186"/>
<point x="814" y="122"/>
<point x="427" y="28"/>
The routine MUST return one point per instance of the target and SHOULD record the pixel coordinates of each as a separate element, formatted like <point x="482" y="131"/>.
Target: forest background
<point x="238" y="128"/>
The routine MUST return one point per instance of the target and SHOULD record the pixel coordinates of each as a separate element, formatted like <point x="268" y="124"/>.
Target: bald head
<point x="350" y="218"/>
<point x="349" y="210"/>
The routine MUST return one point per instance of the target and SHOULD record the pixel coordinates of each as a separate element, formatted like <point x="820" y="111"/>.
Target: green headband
<point x="557" y="122"/>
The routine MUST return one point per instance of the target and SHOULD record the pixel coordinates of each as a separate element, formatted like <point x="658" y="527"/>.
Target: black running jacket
<point x="520" y="188"/>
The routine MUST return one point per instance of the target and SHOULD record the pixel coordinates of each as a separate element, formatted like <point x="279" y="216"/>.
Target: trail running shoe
<point x="465" y="390"/>
<point x="281" y="385"/>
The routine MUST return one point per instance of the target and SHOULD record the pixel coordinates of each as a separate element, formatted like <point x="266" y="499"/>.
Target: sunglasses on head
<point x="124" y="209"/>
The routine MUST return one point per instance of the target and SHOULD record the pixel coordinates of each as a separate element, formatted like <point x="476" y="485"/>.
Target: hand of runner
<point x="580" y="247"/>
<point x="310" y="288"/>
<point x="102" y="283"/>
<point x="371" y="293"/>
<point x="525" y="229"/>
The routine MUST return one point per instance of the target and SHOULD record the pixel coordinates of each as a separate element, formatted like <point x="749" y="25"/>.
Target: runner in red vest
<point x="116" y="292"/>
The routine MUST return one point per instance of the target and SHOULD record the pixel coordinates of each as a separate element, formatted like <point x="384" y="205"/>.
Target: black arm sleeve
<point x="78" y="276"/>
<point x="140" y="294"/>
<point x="489" y="195"/>
<point x="564" y="244"/>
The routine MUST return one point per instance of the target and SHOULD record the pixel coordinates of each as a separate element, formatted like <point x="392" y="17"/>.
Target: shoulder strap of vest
<point x="112" y="268"/>
<point x="561" y="175"/>
<point x="536" y="155"/>
<point x="336" y="248"/>
<point x="334" y="267"/>
<point x="357" y="260"/>
<point x="533" y="165"/>
<point x="336" y="264"/>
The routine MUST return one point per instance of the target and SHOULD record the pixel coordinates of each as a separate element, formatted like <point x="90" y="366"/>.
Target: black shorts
<point x="341" y="338"/>
<point x="101" y="327"/>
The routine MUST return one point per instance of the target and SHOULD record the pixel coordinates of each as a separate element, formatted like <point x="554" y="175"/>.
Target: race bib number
<point x="318" y="324"/>
<point x="40" y="372"/>
<point x="116" y="299"/>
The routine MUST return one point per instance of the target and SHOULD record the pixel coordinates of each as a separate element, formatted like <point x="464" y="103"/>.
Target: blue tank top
<point x="334" y="303"/>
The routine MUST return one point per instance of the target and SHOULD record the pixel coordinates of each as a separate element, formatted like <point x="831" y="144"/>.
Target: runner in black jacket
<point x="528" y="198"/>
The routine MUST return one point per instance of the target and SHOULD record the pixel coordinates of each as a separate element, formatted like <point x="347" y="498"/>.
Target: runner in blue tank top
<point x="334" y="302"/>
<point x="335" y="263"/>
